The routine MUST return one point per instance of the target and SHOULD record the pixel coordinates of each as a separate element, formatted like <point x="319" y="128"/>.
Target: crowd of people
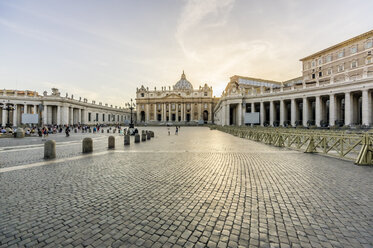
<point x="44" y="131"/>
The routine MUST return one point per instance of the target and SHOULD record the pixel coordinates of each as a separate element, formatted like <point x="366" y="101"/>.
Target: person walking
<point x="177" y="130"/>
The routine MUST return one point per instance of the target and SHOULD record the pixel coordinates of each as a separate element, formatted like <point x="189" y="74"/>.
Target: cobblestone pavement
<point x="201" y="188"/>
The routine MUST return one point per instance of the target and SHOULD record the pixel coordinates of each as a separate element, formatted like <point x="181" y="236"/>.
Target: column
<point x="252" y="107"/>
<point x="4" y="120"/>
<point x="305" y="111"/>
<point x="332" y="109"/>
<point x="271" y="113"/>
<point x="35" y="112"/>
<point x="80" y="116"/>
<point x="348" y="109"/>
<point x="71" y="116"/>
<point x="227" y="114"/>
<point x="177" y="112"/>
<point x="293" y="112"/>
<point x="45" y="115"/>
<point x="262" y="114"/>
<point x="155" y="112"/>
<point x="366" y="103"/>
<point x="282" y="112"/>
<point x="210" y="116"/>
<point x="222" y="114"/>
<point x="191" y="111"/>
<point x="182" y="111"/>
<point x="318" y="113"/>
<point x="169" y="111"/>
<point x="199" y="111"/>
<point x="185" y="110"/>
<point x="239" y="114"/>
<point x="147" y="113"/>
<point x="15" y="121"/>
<point x="58" y="115"/>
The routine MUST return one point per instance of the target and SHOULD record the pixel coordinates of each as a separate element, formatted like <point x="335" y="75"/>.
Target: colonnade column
<point x="252" y="107"/>
<point x="15" y="115"/>
<point x="227" y="114"/>
<point x="282" y="112"/>
<point x="35" y="112"/>
<point x="348" y="109"/>
<point x="222" y="115"/>
<point x="4" y="119"/>
<point x="58" y="115"/>
<point x="305" y="111"/>
<point x="262" y="114"/>
<point x="155" y="112"/>
<point x="71" y="114"/>
<point x="332" y="110"/>
<point x="271" y="113"/>
<point x="239" y="114"/>
<point x="79" y="116"/>
<point x="45" y="115"/>
<point x="317" y="111"/>
<point x="293" y="114"/>
<point x="366" y="102"/>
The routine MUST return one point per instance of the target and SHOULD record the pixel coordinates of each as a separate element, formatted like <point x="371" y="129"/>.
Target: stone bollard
<point x="111" y="142"/>
<point x="137" y="138"/>
<point x="143" y="136"/>
<point x="151" y="134"/>
<point x="20" y="133"/>
<point x="127" y="140"/>
<point x="87" y="145"/>
<point x="50" y="149"/>
<point x="148" y="135"/>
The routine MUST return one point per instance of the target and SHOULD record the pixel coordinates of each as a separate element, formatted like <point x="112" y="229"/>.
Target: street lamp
<point x="8" y="107"/>
<point x="131" y="106"/>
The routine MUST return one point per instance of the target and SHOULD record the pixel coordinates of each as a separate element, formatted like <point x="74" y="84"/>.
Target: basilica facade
<point x="179" y="104"/>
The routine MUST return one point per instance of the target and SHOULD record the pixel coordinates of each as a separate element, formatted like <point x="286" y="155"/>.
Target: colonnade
<point x="334" y="109"/>
<point x="57" y="114"/>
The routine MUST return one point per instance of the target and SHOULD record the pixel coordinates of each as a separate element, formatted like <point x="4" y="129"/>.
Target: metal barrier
<point x="355" y="146"/>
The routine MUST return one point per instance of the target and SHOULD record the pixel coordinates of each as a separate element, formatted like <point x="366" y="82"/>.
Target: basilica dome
<point x="183" y="84"/>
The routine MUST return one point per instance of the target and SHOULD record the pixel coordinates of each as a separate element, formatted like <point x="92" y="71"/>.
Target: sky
<point x="104" y="50"/>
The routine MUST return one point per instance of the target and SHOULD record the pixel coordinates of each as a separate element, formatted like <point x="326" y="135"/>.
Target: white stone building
<point x="56" y="109"/>
<point x="179" y="104"/>
<point x="335" y="89"/>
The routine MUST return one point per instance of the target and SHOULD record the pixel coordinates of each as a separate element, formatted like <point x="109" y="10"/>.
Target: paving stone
<point x="212" y="190"/>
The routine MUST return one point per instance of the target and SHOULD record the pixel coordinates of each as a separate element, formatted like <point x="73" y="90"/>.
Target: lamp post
<point x="131" y="106"/>
<point x="8" y="108"/>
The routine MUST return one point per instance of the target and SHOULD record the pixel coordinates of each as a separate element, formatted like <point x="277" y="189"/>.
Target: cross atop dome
<point x="183" y="75"/>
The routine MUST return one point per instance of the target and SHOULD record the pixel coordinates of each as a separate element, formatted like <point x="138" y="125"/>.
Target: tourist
<point x="67" y="131"/>
<point x="177" y="130"/>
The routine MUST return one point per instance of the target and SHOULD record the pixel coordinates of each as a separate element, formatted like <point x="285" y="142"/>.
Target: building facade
<point x="53" y="109"/>
<point x="179" y="104"/>
<point x="335" y="90"/>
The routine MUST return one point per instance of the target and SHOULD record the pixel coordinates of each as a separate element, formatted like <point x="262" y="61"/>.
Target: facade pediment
<point x="173" y="96"/>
